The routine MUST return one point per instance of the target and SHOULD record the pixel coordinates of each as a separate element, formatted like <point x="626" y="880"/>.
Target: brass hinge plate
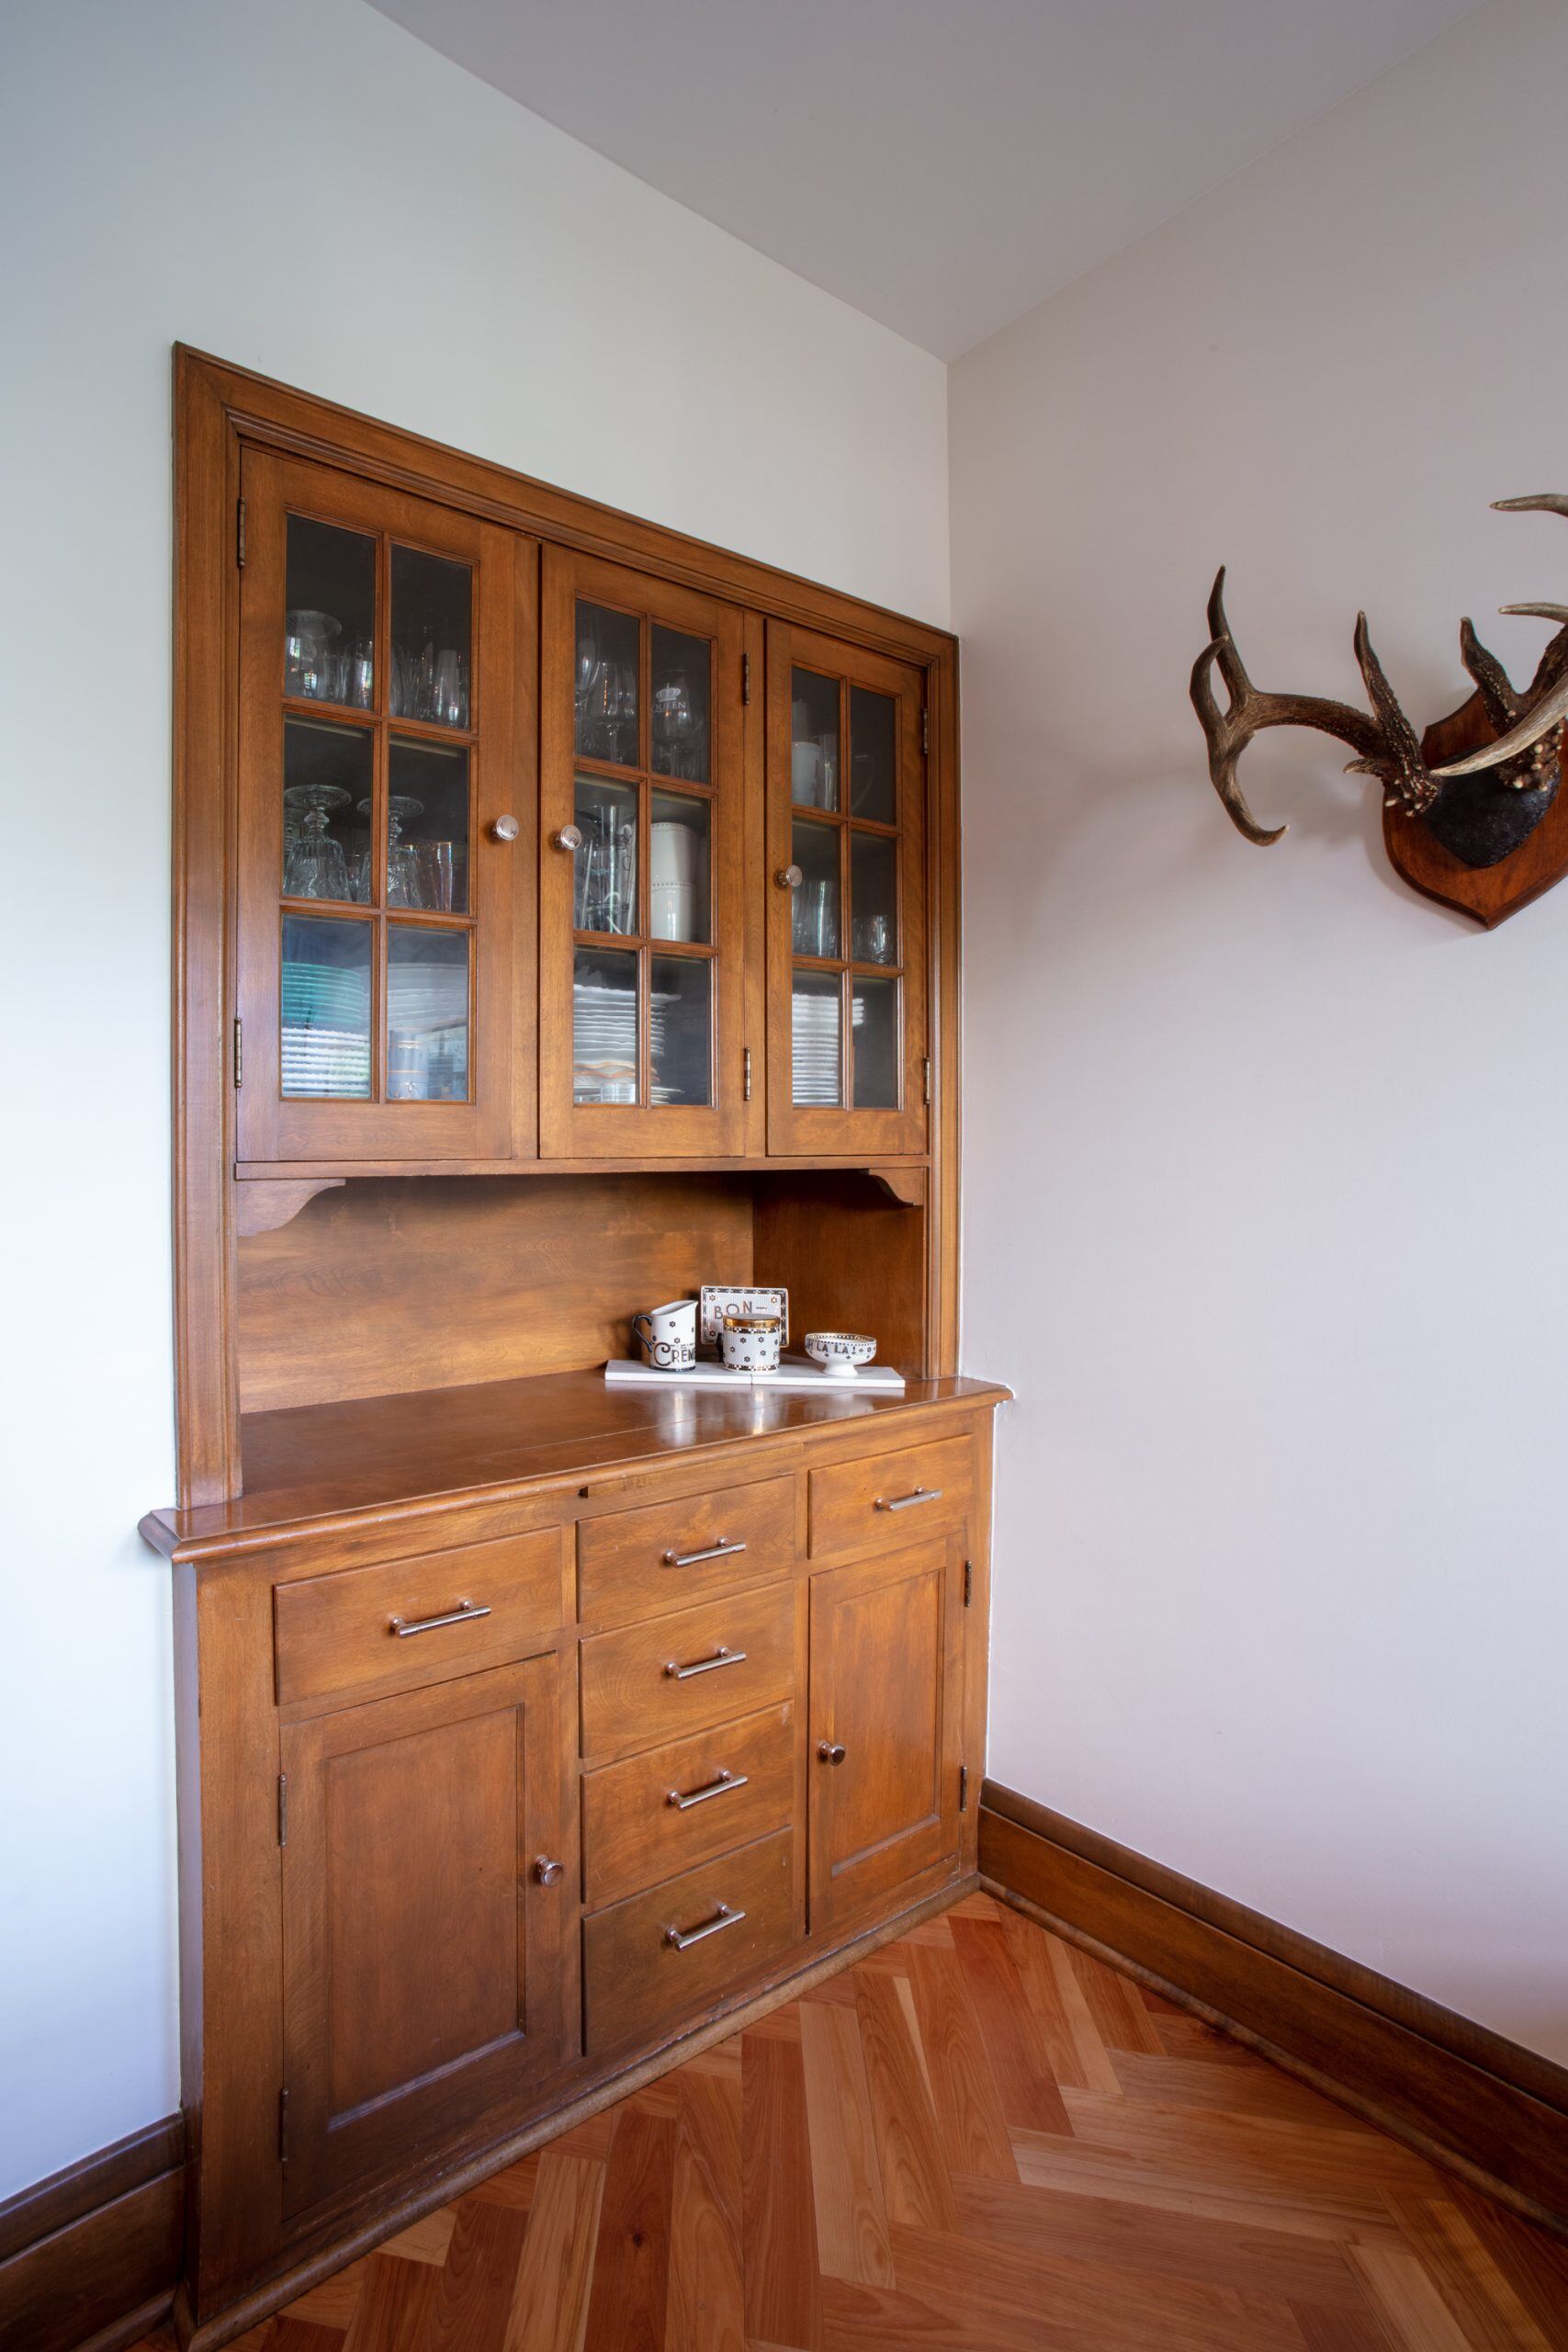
<point x="963" y="1788"/>
<point x="240" y="535"/>
<point x="238" y="1053"/>
<point x="746" y="1074"/>
<point x="928" y="1071"/>
<point x="968" y="1582"/>
<point x="745" y="677"/>
<point x="283" y="2126"/>
<point x="283" y="1808"/>
<point x="925" y="731"/>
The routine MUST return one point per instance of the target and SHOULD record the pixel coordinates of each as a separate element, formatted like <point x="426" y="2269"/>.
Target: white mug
<point x="668" y="1335"/>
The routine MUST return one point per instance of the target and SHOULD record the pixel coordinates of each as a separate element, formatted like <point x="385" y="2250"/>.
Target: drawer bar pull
<point x="404" y="1626"/>
<point x="682" y="1939"/>
<point x="714" y="1788"/>
<point x="717" y="1550"/>
<point x="721" y="1657"/>
<point x="907" y="1502"/>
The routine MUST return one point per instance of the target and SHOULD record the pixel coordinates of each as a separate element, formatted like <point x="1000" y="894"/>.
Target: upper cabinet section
<point x="386" y="815"/>
<point x="847" y="972"/>
<point x="644" y="868"/>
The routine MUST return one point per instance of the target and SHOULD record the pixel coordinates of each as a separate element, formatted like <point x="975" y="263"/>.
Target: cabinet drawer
<point x="676" y="1807"/>
<point x="653" y="1682"/>
<point x="637" y="1562"/>
<point x="637" y="1976"/>
<point x="891" y="1498"/>
<point x="364" y="1626"/>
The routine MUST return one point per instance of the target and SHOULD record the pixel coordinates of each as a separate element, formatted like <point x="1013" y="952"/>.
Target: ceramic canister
<point x="752" y="1343"/>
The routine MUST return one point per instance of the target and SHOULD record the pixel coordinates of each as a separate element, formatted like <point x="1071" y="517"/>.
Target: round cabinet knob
<point x="829" y="1751"/>
<point x="570" y="839"/>
<point x="547" y="1871"/>
<point x="789" y="877"/>
<point x="505" y="830"/>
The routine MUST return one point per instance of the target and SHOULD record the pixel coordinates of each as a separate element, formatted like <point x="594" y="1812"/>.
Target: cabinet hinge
<point x="238" y="1053"/>
<point x="928" y="1068"/>
<point x="745" y="677"/>
<point x="968" y="1583"/>
<point x="746" y="1074"/>
<point x="925" y="731"/>
<point x="963" y="1788"/>
<point x="240" y="535"/>
<point x="282" y="1803"/>
<point x="283" y="2126"/>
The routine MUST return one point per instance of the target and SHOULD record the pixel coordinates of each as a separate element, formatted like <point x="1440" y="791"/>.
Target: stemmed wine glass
<point x="403" y="884"/>
<point x="315" y="866"/>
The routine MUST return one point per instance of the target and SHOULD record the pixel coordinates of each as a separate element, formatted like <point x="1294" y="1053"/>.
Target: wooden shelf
<point x="375" y="1454"/>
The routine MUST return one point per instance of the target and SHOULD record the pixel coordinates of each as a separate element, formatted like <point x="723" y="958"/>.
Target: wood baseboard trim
<point x="263" y="2302"/>
<point x="89" y="2257"/>
<point x="1464" y="2097"/>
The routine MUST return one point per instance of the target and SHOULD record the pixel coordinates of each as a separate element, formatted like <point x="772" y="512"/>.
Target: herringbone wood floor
<point x="976" y="2137"/>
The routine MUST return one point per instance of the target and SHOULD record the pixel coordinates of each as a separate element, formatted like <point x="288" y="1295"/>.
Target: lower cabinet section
<point x="424" y="1901"/>
<point x="663" y="1956"/>
<point x="886" y="1652"/>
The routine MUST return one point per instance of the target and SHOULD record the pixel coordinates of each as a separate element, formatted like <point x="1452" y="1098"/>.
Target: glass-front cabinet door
<point x="385" y="822"/>
<point x="846" y="899"/>
<point x="642" y="847"/>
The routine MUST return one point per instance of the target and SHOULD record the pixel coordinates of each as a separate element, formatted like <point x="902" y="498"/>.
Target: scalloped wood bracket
<point x="262" y="1204"/>
<point x="904" y="1185"/>
<point x="1488" y="894"/>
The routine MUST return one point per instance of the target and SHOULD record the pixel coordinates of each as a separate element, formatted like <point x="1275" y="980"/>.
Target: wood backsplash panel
<point x="383" y="1287"/>
<point x="851" y="1258"/>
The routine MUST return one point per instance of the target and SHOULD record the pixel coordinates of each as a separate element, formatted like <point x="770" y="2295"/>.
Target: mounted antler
<point x="1385" y="744"/>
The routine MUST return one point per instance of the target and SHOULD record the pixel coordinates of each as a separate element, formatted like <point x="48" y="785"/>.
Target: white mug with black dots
<point x="668" y="1335"/>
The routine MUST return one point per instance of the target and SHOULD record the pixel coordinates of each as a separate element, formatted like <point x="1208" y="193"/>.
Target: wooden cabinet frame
<point x="221" y="413"/>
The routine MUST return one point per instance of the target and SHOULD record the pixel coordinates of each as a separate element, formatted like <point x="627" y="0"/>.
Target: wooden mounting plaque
<point x="1489" y="894"/>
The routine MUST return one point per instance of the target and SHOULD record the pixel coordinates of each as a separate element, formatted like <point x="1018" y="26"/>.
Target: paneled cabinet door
<point x="387" y="814"/>
<point x="424" y="1940"/>
<point x="644" y="820"/>
<point x="886" y="1651"/>
<point x="847" y="899"/>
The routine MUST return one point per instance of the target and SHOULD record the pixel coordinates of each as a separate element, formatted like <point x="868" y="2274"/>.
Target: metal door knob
<point x="789" y="877"/>
<point x="505" y="830"/>
<point x="829" y="1751"/>
<point x="570" y="839"/>
<point x="547" y="1871"/>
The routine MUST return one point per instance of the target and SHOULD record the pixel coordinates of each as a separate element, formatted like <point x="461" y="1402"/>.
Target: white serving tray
<point x="794" y="1371"/>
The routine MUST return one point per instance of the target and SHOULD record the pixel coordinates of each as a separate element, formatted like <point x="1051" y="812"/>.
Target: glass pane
<point x="604" y="893"/>
<point x="427" y="1015"/>
<point x="875" y="1033"/>
<point x="682" y="667"/>
<point x="678" y="868"/>
<point x="603" y="1025"/>
<point x="432" y="628"/>
<point x="815" y="910"/>
<point x="325" y="1004"/>
<point x="814" y="740"/>
<point x="874" y="764"/>
<point x="680" y="1019"/>
<point x="329" y="622"/>
<point x="814" y="1028"/>
<point x="427" y="844"/>
<point x="326" y="781"/>
<point x="873" y="898"/>
<point x="607" y="652"/>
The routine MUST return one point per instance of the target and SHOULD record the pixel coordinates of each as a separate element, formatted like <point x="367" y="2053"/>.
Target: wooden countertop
<point x="376" y="1455"/>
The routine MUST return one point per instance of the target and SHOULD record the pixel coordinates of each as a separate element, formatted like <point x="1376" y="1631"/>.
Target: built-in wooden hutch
<point x="567" y="916"/>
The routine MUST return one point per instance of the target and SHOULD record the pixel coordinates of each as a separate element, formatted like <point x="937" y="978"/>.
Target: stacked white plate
<point x="325" y="1029"/>
<point x="603" y="1043"/>
<point x="814" y="1033"/>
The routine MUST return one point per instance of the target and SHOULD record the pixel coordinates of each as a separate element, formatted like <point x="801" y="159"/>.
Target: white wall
<point x="1264" y="1153"/>
<point x="304" y="188"/>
